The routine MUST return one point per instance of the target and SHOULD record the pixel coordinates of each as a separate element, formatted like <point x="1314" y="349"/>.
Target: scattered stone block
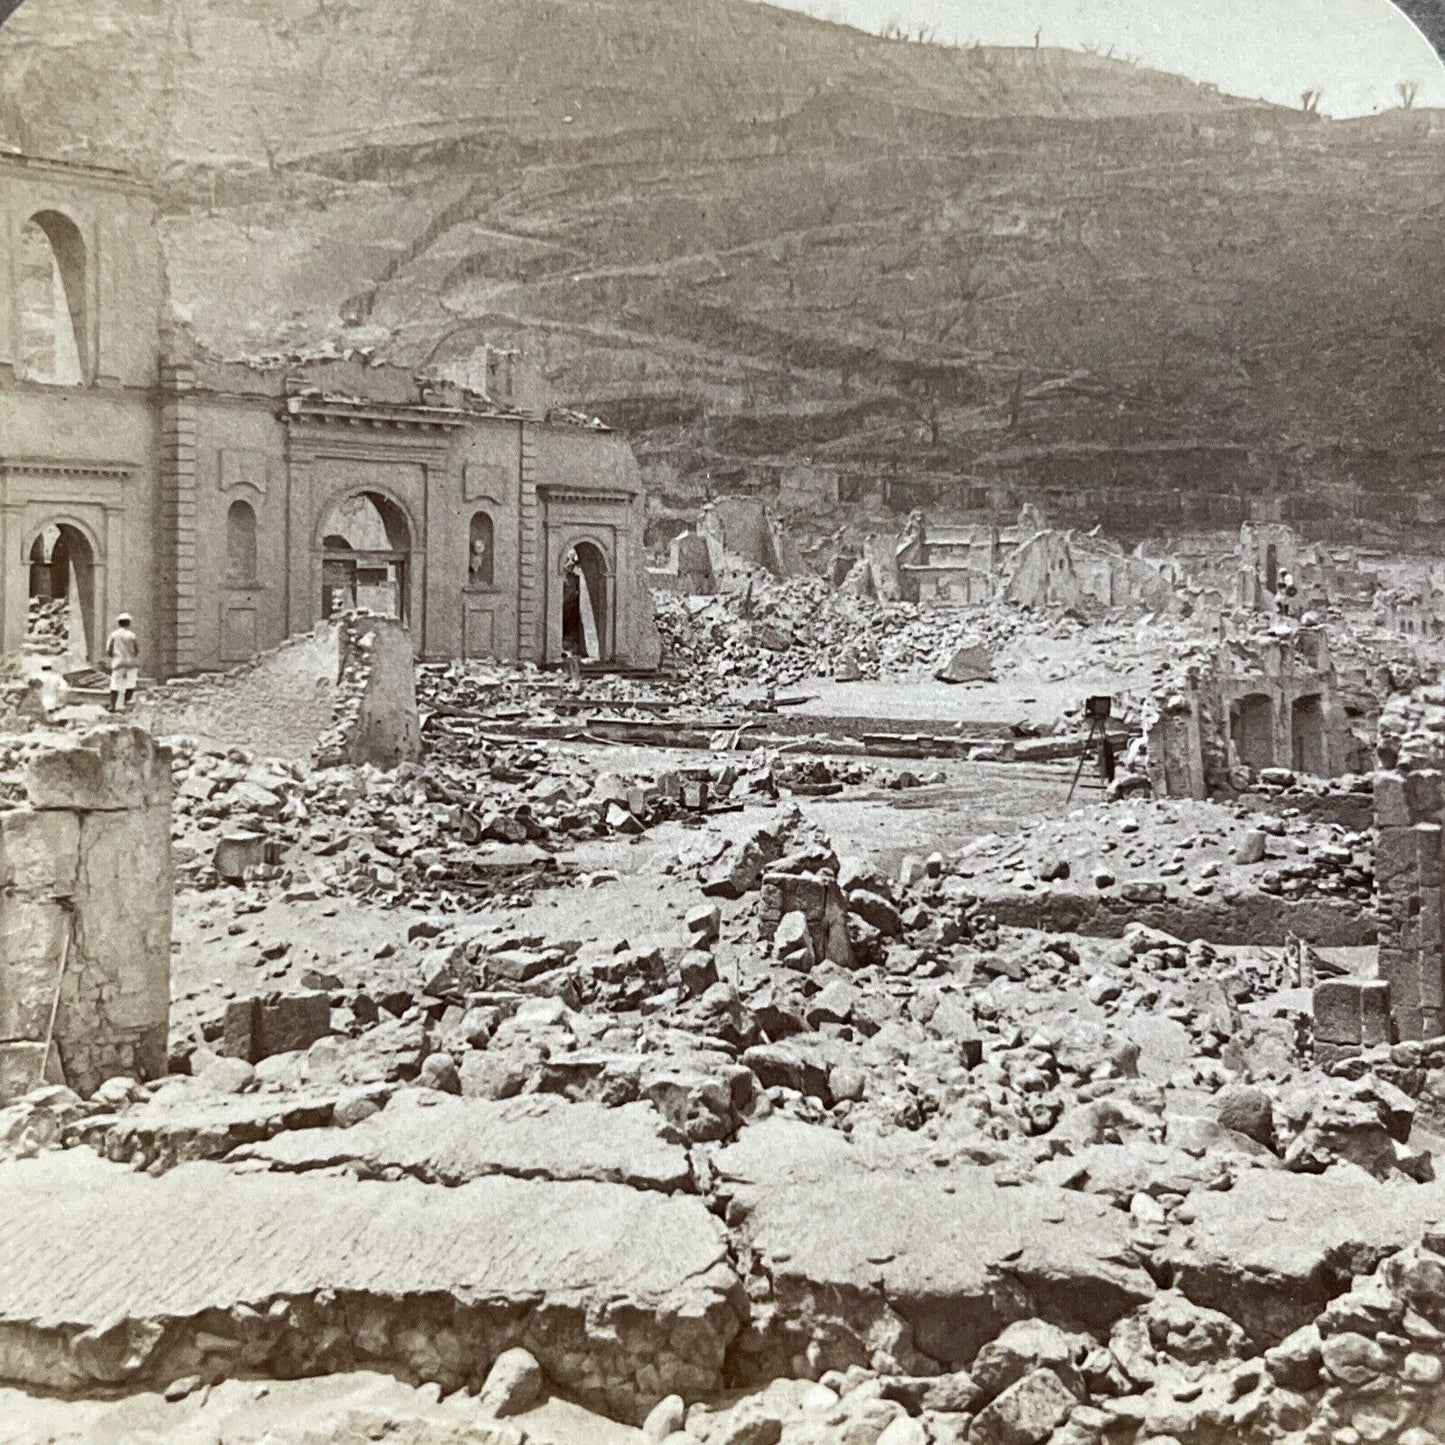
<point x="878" y="912"/>
<point x="513" y="1384"/>
<point x="1027" y="1413"/>
<point x="256" y="1028"/>
<point x="236" y="854"/>
<point x="704" y="923"/>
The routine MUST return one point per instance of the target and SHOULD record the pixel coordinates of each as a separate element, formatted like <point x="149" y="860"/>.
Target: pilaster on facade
<point x="179" y="480"/>
<point x="531" y="560"/>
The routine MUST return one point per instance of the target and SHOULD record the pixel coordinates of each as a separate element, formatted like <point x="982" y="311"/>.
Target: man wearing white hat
<point x="122" y="651"/>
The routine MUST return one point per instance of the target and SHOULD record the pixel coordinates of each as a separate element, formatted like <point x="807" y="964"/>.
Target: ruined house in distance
<point x="228" y="506"/>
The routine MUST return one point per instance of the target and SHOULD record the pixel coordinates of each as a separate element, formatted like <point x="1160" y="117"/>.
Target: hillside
<point x="761" y="242"/>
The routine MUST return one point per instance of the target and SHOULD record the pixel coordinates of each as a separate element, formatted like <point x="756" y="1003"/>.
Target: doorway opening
<point x="1307" y="728"/>
<point x="584" y="604"/>
<point x="60" y="621"/>
<point x="365" y="557"/>
<point x="1251" y="726"/>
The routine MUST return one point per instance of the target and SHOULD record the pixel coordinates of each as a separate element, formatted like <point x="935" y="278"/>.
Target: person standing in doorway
<point x="122" y="651"/>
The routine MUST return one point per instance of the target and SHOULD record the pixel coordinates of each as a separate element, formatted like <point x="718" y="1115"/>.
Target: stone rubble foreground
<point x="982" y="1144"/>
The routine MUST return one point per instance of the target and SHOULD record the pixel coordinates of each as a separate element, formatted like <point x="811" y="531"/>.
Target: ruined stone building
<point x="228" y="506"/>
<point x="1255" y="703"/>
<point x="954" y="564"/>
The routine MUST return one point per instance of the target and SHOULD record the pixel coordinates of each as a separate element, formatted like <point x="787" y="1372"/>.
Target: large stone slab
<point x="450" y="1141"/>
<point x="874" y="1248"/>
<point x="1274" y="1249"/>
<point x="111" y="1277"/>
<point x="180" y="1126"/>
<point x="115" y="766"/>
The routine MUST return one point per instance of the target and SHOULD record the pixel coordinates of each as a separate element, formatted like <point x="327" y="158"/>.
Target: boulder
<point x="513" y="1384"/>
<point x="1027" y="1413"/>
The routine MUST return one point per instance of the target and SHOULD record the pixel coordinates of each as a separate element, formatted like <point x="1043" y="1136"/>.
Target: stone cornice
<point x="370" y="417"/>
<point x="571" y="492"/>
<point x="49" y="467"/>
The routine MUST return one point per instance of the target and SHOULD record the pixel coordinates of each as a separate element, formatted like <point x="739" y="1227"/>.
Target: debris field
<point x="671" y="1059"/>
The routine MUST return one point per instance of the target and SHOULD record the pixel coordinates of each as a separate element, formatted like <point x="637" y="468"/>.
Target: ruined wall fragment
<point x="85" y="913"/>
<point x="375" y="718"/>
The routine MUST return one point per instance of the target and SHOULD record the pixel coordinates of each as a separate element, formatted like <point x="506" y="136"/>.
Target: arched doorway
<point x="61" y="617"/>
<point x="585" y="633"/>
<point x="365" y="556"/>
<point x="1252" y="729"/>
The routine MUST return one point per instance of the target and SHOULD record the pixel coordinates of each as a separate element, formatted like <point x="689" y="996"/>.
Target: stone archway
<point x="61" y="617"/>
<point x="366" y="556"/>
<point x="586" y="627"/>
<point x="52" y="300"/>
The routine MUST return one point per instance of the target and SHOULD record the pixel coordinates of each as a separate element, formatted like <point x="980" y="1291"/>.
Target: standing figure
<point x="122" y="651"/>
<point x="1285" y="594"/>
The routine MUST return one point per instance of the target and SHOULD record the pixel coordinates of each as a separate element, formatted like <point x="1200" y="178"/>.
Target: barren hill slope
<point x="757" y="240"/>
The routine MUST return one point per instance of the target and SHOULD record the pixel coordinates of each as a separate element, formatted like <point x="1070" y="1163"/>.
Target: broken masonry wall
<point x="375" y="718"/>
<point x="1265" y="550"/>
<point x="1253" y="704"/>
<point x="689" y="571"/>
<point x="1041" y="574"/>
<point x="86" y="890"/>
<point x="1175" y="750"/>
<point x="882" y="558"/>
<point x="1409" y="811"/>
<point x="744" y="527"/>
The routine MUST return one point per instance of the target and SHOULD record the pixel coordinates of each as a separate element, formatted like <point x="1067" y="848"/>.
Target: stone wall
<point x="1254" y="705"/>
<point x="1409" y="814"/>
<point x="85" y="913"/>
<point x="375" y="719"/>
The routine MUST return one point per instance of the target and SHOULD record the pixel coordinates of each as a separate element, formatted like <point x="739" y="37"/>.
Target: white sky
<point x="1355" y="51"/>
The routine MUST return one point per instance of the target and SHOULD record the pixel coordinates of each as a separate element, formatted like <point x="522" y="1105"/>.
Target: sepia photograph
<point x="722" y="723"/>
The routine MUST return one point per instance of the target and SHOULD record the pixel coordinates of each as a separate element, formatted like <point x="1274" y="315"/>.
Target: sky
<point x="1355" y="52"/>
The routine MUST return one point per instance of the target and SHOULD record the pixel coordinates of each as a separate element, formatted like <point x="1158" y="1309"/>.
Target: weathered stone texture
<point x="1408" y="817"/>
<point x="85" y="911"/>
<point x="622" y="1295"/>
<point x="375" y="719"/>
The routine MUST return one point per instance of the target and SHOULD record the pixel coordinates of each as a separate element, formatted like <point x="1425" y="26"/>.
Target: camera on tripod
<point x="1099" y="709"/>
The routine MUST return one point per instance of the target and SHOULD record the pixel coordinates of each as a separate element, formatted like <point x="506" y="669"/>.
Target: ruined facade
<point x="1254" y="703"/>
<point x="229" y="506"/>
<point x="85" y="915"/>
<point x="952" y="564"/>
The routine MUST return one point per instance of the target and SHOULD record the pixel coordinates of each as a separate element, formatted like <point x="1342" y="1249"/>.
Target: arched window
<point x="240" y="545"/>
<point x="52" y="300"/>
<point x="480" y="568"/>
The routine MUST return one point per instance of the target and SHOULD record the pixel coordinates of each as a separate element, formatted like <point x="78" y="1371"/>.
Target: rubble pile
<point x="938" y="1167"/>
<point x="779" y="632"/>
<point x="47" y="627"/>
<point x="1147" y="852"/>
<point x="431" y="832"/>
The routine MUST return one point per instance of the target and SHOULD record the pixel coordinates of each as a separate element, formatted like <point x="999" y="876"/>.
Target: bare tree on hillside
<point x="1310" y="101"/>
<point x="970" y="288"/>
<point x="923" y="402"/>
<point x="1407" y="91"/>
<point x="1016" y="401"/>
